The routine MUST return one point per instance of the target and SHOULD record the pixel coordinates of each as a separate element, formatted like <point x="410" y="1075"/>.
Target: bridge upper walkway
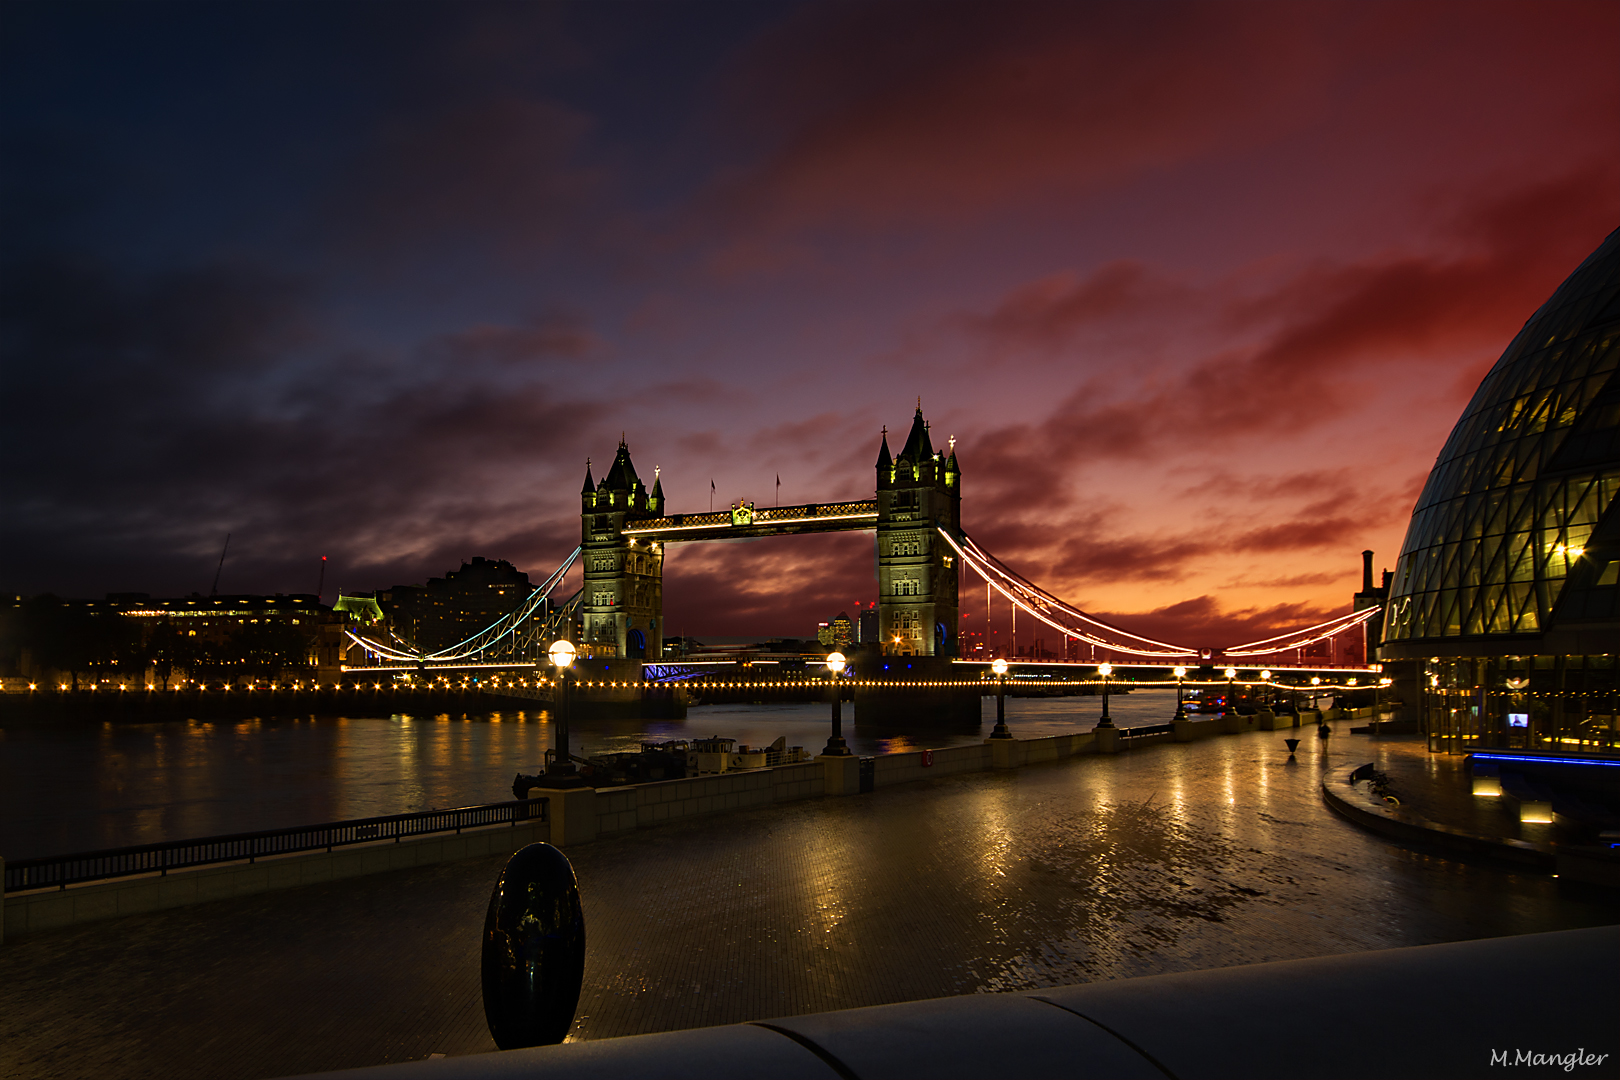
<point x="534" y="617"/>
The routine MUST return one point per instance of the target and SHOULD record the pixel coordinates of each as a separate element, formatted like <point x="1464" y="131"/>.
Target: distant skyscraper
<point x="843" y="631"/>
<point x="866" y="629"/>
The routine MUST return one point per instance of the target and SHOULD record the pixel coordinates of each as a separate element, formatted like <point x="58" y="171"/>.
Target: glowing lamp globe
<point x="999" y="667"/>
<point x="1231" y="673"/>
<point x="1181" y="673"/>
<point x="835" y="662"/>
<point x="1266" y="675"/>
<point x="562" y="653"/>
<point x="1316" y="680"/>
<point x="1105" y="670"/>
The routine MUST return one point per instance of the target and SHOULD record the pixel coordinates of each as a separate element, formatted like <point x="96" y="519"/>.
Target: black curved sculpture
<point x="534" y="950"/>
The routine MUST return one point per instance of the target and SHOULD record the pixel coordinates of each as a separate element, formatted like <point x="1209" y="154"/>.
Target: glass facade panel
<point x="1509" y="511"/>
<point x="1570" y="702"/>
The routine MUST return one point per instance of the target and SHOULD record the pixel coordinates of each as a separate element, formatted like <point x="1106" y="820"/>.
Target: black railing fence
<point x="64" y="870"/>
<point x="1147" y="729"/>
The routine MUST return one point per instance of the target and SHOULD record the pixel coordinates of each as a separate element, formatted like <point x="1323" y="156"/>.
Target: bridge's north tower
<point x="623" y="602"/>
<point x="917" y="493"/>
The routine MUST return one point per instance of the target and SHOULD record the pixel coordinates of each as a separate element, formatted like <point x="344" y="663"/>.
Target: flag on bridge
<point x="778" y="489"/>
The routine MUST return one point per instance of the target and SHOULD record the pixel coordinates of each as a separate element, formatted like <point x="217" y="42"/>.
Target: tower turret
<point x="918" y="493"/>
<point x="622" y="605"/>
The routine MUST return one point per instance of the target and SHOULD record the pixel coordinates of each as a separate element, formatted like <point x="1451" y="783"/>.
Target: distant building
<point x="217" y="618"/>
<point x="843" y="631"/>
<point x="133" y="640"/>
<point x="866" y="627"/>
<point x="452" y="608"/>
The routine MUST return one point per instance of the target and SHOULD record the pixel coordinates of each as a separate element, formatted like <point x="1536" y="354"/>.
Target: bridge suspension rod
<point x="1036" y="601"/>
<point x="1298" y="639"/>
<point x="484" y="639"/>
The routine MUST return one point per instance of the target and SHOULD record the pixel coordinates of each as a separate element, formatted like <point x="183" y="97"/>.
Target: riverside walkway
<point x="1166" y="858"/>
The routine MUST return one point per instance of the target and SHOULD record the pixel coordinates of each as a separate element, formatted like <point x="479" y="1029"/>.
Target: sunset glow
<point x="1198" y="289"/>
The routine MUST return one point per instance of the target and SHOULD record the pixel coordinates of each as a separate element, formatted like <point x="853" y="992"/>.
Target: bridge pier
<point x="612" y="688"/>
<point x="893" y="694"/>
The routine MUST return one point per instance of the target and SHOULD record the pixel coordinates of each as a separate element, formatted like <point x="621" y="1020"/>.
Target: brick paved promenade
<point x="1167" y="858"/>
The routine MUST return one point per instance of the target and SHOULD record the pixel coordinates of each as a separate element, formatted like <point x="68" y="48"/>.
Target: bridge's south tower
<point x="917" y="571"/>
<point x="622" y="606"/>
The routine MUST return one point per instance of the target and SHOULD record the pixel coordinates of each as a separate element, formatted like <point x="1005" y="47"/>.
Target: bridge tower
<point x="917" y="571"/>
<point x="623" y="602"/>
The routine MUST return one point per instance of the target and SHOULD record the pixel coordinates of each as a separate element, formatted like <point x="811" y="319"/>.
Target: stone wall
<point x="44" y="909"/>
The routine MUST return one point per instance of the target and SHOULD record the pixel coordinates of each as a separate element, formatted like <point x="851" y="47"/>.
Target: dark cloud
<point x="780" y="587"/>
<point x="165" y="411"/>
<point x="501" y="174"/>
<point x="910" y="111"/>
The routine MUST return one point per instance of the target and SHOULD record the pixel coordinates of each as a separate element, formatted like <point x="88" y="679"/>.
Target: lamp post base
<point x="1001" y="732"/>
<point x="559" y="780"/>
<point x="836" y="747"/>
<point x="1105" y="721"/>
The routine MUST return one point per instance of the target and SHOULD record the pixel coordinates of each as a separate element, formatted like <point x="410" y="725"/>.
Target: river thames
<point x="81" y="786"/>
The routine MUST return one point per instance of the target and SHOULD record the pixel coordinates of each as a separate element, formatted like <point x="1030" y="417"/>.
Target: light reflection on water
<point x="79" y="787"/>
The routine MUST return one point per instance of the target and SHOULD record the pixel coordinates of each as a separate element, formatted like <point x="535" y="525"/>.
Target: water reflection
<point x="79" y="787"/>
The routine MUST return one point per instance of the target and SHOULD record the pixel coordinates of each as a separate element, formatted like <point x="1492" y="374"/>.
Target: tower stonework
<point x="918" y="492"/>
<point x="623" y="601"/>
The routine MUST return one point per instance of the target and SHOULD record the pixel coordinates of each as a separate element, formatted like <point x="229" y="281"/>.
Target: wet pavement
<point x="1439" y="788"/>
<point x="1167" y="858"/>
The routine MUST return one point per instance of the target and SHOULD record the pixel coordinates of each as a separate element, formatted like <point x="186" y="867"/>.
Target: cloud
<point x="1051" y="312"/>
<point x="1309" y="344"/>
<point x="501" y="172"/>
<point x="1202" y="622"/>
<point x="779" y="587"/>
<point x="914" y="112"/>
<point x="164" y="410"/>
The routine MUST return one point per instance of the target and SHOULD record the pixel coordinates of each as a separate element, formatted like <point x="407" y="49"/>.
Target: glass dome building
<point x="1506" y="597"/>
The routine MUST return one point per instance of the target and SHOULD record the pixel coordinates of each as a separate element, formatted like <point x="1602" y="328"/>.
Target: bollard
<point x="534" y="950"/>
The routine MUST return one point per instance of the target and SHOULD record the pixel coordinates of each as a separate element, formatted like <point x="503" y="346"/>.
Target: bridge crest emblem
<point x="742" y="514"/>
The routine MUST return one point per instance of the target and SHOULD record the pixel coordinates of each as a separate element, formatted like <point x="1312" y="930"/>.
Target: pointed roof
<point x="622" y="477"/>
<point x="590" y="486"/>
<point x="884" y="461"/>
<point x="658" y="482"/>
<point x="918" y="447"/>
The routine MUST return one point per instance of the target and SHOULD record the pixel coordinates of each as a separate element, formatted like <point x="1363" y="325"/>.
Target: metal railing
<point x="1147" y="729"/>
<point x="64" y="870"/>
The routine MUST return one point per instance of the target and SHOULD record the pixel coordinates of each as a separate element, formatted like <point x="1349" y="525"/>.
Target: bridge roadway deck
<point x="1170" y="857"/>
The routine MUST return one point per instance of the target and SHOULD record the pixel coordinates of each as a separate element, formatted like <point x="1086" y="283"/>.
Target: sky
<point x="1199" y="289"/>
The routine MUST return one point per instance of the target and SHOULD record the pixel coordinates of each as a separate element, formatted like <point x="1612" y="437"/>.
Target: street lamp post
<point x="1231" y="706"/>
<point x="1181" y="709"/>
<point x="1322" y="729"/>
<point x="1001" y="732"/>
<point x="1265" y="694"/>
<point x="1105" y="721"/>
<point x="836" y="746"/>
<point x="560" y="772"/>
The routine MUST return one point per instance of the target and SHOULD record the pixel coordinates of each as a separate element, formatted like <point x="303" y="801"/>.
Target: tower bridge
<point x="917" y="506"/>
<point x="915" y="515"/>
